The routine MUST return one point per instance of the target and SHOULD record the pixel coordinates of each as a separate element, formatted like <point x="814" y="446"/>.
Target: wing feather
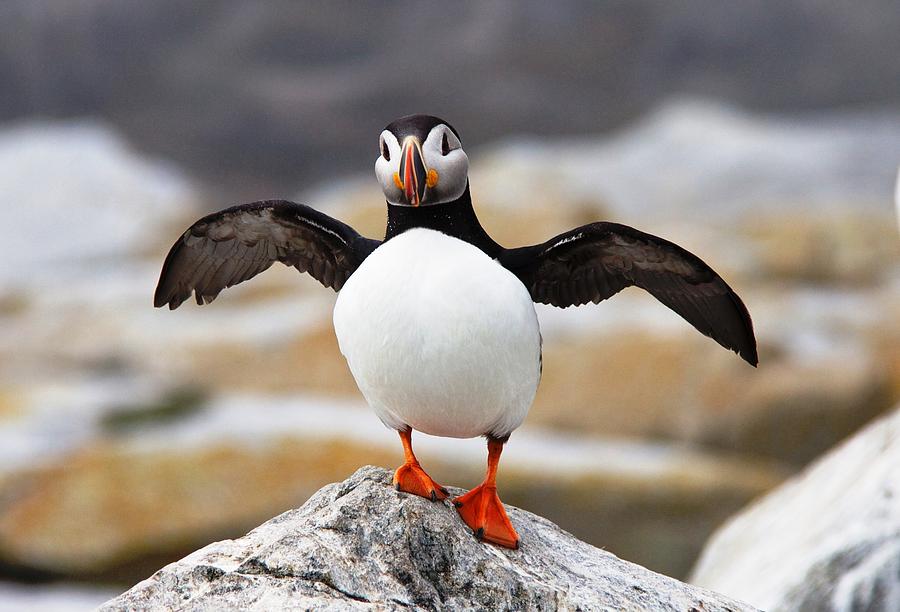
<point x="235" y="244"/>
<point x="594" y="262"/>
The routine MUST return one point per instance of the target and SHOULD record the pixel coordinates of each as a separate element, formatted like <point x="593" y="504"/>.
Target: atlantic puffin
<point x="437" y="320"/>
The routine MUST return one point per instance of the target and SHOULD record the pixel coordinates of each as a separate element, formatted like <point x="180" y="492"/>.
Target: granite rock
<point x="827" y="540"/>
<point x="360" y="544"/>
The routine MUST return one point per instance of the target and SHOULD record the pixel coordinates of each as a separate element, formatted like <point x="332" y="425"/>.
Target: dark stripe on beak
<point x="412" y="171"/>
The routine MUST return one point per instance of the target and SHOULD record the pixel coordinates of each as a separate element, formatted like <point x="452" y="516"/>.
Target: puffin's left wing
<point x="235" y="244"/>
<point x="596" y="261"/>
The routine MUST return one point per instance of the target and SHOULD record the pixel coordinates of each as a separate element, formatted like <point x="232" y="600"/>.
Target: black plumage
<point x="233" y="245"/>
<point x="594" y="262"/>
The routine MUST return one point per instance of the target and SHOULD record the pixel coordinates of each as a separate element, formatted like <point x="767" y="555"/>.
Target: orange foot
<point x="410" y="477"/>
<point x="483" y="511"/>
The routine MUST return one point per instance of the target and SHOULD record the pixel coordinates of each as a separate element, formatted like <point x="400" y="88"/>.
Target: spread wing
<point x="596" y="261"/>
<point x="235" y="244"/>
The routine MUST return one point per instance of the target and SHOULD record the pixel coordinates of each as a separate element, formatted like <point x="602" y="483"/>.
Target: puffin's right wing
<point x="235" y="244"/>
<point x="596" y="261"/>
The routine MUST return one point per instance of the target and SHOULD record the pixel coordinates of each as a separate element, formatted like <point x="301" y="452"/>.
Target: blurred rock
<point x="827" y="540"/>
<point x="80" y="195"/>
<point x="885" y="338"/>
<point x="847" y="249"/>
<point x="359" y="543"/>
<point x="276" y="95"/>
<point x="113" y="510"/>
<point x="307" y="362"/>
<point x="793" y="412"/>
<point x="694" y="159"/>
<point x="897" y="196"/>
<point x="683" y="387"/>
<point x="629" y="384"/>
<point x="108" y="514"/>
<point x="52" y="597"/>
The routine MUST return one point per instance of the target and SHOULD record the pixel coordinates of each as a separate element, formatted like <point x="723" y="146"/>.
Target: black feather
<point x="596" y="261"/>
<point x="235" y="244"/>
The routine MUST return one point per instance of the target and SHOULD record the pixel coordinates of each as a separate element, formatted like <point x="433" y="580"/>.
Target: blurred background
<point x="763" y="136"/>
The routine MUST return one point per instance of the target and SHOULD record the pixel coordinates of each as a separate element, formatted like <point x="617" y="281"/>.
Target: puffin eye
<point x="445" y="144"/>
<point x="385" y="152"/>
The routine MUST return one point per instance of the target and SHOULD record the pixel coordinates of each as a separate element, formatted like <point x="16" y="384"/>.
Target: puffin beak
<point x="413" y="174"/>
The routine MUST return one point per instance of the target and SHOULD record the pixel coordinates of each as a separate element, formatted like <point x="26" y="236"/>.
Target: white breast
<point x="440" y="337"/>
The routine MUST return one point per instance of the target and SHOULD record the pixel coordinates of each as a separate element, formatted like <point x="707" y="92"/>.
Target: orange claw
<point x="411" y="478"/>
<point x="482" y="510"/>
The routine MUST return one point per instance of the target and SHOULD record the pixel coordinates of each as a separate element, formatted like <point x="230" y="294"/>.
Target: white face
<point x="445" y="161"/>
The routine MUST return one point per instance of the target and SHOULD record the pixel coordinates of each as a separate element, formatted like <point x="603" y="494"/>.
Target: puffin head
<point x="421" y="162"/>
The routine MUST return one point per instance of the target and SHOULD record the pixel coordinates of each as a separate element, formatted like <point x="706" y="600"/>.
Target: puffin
<point x="437" y="320"/>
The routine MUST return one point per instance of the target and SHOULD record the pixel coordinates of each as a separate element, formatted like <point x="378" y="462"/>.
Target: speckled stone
<point x="359" y="544"/>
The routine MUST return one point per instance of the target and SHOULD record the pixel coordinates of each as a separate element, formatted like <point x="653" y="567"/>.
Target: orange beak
<point x="413" y="174"/>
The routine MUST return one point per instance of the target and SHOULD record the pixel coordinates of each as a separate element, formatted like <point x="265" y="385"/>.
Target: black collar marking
<point x="456" y="218"/>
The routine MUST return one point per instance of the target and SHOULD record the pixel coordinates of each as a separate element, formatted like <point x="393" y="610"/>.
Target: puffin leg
<point x="410" y="476"/>
<point x="481" y="508"/>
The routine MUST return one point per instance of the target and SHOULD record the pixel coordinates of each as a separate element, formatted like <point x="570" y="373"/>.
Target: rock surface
<point x="359" y="544"/>
<point x="828" y="540"/>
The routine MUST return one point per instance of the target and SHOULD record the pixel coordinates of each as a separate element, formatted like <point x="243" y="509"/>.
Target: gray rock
<point x="359" y="544"/>
<point x="827" y="540"/>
